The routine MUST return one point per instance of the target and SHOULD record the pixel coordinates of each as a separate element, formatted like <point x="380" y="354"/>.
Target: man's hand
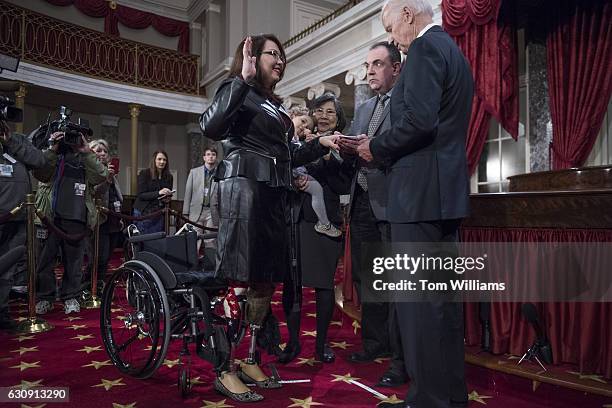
<point x="363" y="150"/>
<point x="308" y="135"/>
<point x="330" y="141"/>
<point x="348" y="145"/>
<point x="84" y="147"/>
<point x="54" y="140"/>
<point x="165" y="192"/>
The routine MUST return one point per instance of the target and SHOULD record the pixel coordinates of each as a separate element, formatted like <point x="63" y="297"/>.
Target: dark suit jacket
<point x="430" y="110"/>
<point x="377" y="185"/>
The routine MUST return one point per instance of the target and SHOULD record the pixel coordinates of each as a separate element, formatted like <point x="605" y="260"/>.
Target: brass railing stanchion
<point x="33" y="324"/>
<point x="94" y="302"/>
<point x="167" y="218"/>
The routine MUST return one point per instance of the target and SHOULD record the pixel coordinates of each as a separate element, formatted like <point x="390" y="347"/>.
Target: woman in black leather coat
<point x="253" y="243"/>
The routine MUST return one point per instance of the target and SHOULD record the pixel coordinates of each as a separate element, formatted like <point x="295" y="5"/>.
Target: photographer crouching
<point x="66" y="199"/>
<point x="17" y="157"/>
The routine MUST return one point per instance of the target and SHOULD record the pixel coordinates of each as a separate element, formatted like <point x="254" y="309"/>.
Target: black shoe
<point x="391" y="379"/>
<point x="289" y="353"/>
<point x="270" y="382"/>
<point x="326" y="355"/>
<point x="363" y="357"/>
<point x="248" y="396"/>
<point x="8" y="325"/>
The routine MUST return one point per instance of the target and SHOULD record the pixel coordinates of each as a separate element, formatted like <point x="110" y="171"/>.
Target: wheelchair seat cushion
<point x="203" y="279"/>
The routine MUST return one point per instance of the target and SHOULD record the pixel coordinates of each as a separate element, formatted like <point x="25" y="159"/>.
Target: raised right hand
<point x="249" y="68"/>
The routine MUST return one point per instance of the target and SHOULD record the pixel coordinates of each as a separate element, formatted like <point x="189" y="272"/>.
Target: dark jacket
<point x="13" y="189"/>
<point x="148" y="191"/>
<point x="430" y="110"/>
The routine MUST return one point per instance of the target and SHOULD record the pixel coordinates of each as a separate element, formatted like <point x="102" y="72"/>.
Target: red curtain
<point x="490" y="48"/>
<point x="131" y="18"/>
<point x="580" y="333"/>
<point x="579" y="57"/>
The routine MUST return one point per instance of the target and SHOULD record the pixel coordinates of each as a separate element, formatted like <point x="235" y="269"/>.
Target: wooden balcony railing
<point x="312" y="28"/>
<point x="43" y="40"/>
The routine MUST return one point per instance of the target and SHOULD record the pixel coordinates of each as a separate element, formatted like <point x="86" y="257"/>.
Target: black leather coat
<point x="254" y="179"/>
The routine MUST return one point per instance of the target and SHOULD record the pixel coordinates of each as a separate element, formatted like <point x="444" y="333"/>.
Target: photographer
<point x="66" y="199"/>
<point x="17" y="157"/>
<point x="110" y="227"/>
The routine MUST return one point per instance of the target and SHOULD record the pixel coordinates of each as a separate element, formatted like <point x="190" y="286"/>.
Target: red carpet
<point x="72" y="355"/>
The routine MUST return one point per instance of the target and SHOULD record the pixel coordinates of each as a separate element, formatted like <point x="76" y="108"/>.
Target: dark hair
<point x="258" y="42"/>
<point x="330" y="97"/>
<point x="394" y="53"/>
<point x="165" y="174"/>
<point x="212" y="149"/>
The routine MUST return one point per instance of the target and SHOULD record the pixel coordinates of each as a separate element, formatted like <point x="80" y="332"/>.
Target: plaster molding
<point x="292" y="101"/>
<point x="109" y="120"/>
<point x="321" y="88"/>
<point x="357" y="75"/>
<point x="97" y="88"/>
<point x="192" y="128"/>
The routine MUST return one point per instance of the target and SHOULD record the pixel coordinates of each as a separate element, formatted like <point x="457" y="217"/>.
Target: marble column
<point x="20" y="95"/>
<point x="540" y="125"/>
<point x="109" y="131"/>
<point x="196" y="144"/>
<point x="358" y="77"/>
<point x="134" y="112"/>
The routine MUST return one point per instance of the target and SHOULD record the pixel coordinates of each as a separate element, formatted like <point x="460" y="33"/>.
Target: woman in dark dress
<point x="253" y="242"/>
<point x="318" y="254"/>
<point x="154" y="190"/>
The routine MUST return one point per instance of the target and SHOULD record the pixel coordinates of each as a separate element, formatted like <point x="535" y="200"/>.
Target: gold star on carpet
<point x="23" y="350"/>
<point x="77" y="326"/>
<point x="309" y="333"/>
<point x="311" y="314"/>
<point x="341" y="345"/>
<point x="23" y="365"/>
<point x="534" y="385"/>
<point x="381" y="360"/>
<point x="171" y="363"/>
<point x="591" y="377"/>
<point x="20" y="311"/>
<point x="23" y="338"/>
<point x="82" y="337"/>
<point x="275" y="302"/>
<point x="21" y="319"/>
<point x="88" y="349"/>
<point x="108" y="384"/>
<point x="33" y="406"/>
<point x="474" y="396"/>
<point x="116" y="310"/>
<point x="346" y="378"/>
<point x="132" y="405"/>
<point x="282" y="323"/>
<point x="312" y="302"/>
<point x="305" y="403"/>
<point x="308" y="361"/>
<point x="219" y="404"/>
<point x="73" y="318"/>
<point x="122" y="318"/>
<point x="390" y="400"/>
<point x="606" y="406"/>
<point x="513" y="357"/>
<point x="97" y="364"/>
<point x="194" y="381"/>
<point x="336" y="323"/>
<point x="356" y="326"/>
<point x="150" y="347"/>
<point x="26" y="385"/>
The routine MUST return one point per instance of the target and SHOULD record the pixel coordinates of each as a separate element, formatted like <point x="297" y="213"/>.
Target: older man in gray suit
<point x="367" y="216"/>
<point x="199" y="204"/>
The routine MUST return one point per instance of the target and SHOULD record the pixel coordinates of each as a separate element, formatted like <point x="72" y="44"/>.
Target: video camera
<point x="9" y="113"/>
<point x="72" y="131"/>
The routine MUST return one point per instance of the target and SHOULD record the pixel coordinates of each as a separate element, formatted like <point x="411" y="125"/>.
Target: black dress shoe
<point x="363" y="357"/>
<point x="390" y="379"/>
<point x="326" y="355"/>
<point x="289" y="353"/>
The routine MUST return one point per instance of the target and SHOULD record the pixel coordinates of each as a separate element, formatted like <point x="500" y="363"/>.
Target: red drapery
<point x="580" y="333"/>
<point x="579" y="57"/>
<point x="490" y="49"/>
<point x="131" y="18"/>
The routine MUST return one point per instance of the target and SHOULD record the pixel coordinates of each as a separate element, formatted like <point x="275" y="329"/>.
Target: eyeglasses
<point x="276" y="54"/>
<point x="321" y="112"/>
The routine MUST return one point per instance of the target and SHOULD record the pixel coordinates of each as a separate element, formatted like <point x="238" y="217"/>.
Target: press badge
<point x="41" y="233"/>
<point x="6" y="170"/>
<point x="117" y="205"/>
<point x="79" y="189"/>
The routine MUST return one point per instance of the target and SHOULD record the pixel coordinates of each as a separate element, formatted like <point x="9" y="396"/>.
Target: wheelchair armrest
<point x="146" y="237"/>
<point x="209" y="235"/>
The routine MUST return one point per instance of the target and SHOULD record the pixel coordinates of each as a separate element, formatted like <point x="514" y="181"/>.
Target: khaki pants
<point x="207" y="221"/>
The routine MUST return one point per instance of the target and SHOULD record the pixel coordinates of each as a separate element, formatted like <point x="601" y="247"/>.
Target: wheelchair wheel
<point x="135" y="320"/>
<point x="184" y="381"/>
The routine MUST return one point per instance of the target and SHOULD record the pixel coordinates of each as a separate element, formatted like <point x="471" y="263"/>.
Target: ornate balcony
<point x="60" y="45"/>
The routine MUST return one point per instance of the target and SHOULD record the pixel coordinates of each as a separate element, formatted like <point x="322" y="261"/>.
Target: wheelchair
<point x="164" y="293"/>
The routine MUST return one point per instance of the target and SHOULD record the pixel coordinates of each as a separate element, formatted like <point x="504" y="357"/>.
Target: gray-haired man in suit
<point x="368" y="223"/>
<point x="199" y="204"/>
